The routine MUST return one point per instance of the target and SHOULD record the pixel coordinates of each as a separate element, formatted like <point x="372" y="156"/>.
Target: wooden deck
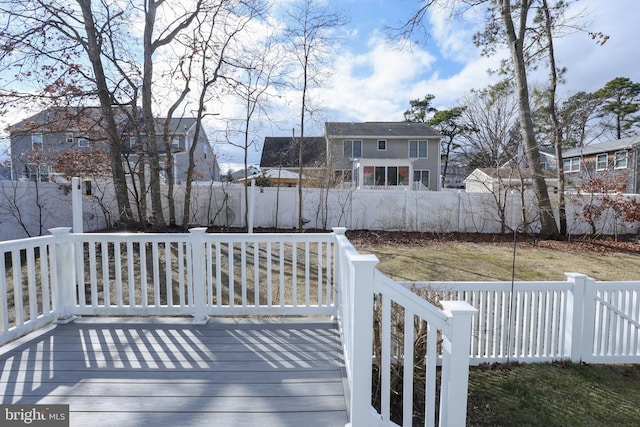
<point x="168" y="372"/>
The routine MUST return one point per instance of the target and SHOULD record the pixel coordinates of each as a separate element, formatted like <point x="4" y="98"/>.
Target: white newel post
<point x="573" y="331"/>
<point x="337" y="271"/>
<point x="64" y="294"/>
<point x="580" y="315"/>
<point x="361" y="337"/>
<point x="198" y="286"/>
<point x="455" y="363"/>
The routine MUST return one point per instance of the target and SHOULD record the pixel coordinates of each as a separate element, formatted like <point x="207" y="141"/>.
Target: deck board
<point x="167" y="372"/>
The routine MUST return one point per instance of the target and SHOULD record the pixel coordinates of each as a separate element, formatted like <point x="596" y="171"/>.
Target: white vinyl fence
<point x="29" y="210"/>
<point x="579" y="319"/>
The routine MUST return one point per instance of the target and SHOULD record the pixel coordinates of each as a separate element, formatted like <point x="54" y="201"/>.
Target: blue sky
<point x="373" y="81"/>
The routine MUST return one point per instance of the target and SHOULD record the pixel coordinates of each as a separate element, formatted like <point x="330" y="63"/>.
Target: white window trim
<point x="571" y="161"/>
<point x="385" y="145"/>
<point x="418" y="156"/>
<point x="422" y="171"/>
<point x="69" y="138"/>
<point x="626" y="160"/>
<point x="352" y="142"/>
<point x="606" y="162"/>
<point x="83" y="142"/>
<point x="132" y="142"/>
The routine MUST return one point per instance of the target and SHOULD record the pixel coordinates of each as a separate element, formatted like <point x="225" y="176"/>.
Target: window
<point x="36" y="141"/>
<point x="602" y="161"/>
<point x="386" y="175"/>
<point x="69" y="138"/>
<point x="382" y="145"/>
<point x="132" y="142"/>
<point x="421" y="177"/>
<point x="571" y="165"/>
<point x="175" y="144"/>
<point x="37" y="172"/>
<point x="352" y="149"/>
<point x="418" y="149"/>
<point x="83" y="142"/>
<point x="621" y="160"/>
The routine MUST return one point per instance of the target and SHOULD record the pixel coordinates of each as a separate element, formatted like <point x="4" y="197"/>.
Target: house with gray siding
<point x="37" y="140"/>
<point x="614" y="161"/>
<point x="385" y="154"/>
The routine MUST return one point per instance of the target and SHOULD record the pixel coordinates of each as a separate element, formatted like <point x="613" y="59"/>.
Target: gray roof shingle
<point x="603" y="147"/>
<point x="380" y="130"/>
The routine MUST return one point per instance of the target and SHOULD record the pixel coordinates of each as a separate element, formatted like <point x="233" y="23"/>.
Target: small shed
<point x="488" y="180"/>
<point x="281" y="177"/>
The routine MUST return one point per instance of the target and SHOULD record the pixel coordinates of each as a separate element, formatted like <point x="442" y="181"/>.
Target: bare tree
<point x="507" y="24"/>
<point x="311" y="34"/>
<point x="211" y="48"/>
<point x="260" y="70"/>
<point x="491" y="116"/>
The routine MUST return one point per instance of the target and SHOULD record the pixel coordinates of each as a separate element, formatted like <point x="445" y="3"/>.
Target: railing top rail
<point x="227" y="237"/>
<point x="493" y="286"/>
<point x="408" y="299"/>
<point x="29" y="242"/>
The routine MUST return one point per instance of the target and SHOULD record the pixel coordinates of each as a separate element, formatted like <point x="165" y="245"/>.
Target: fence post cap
<point x="198" y="230"/>
<point x="456" y="308"/>
<point x="573" y="276"/>
<point x="339" y="230"/>
<point x="60" y="231"/>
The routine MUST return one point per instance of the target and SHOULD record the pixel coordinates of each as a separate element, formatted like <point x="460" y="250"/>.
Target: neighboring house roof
<point x="177" y="126"/>
<point x="277" y="176"/>
<point x="603" y="147"/>
<point x="251" y="170"/>
<point x="508" y="173"/>
<point x="61" y="119"/>
<point x="380" y="130"/>
<point x="284" y="152"/>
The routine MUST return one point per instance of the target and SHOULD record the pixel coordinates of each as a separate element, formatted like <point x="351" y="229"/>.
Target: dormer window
<point x="83" y="142"/>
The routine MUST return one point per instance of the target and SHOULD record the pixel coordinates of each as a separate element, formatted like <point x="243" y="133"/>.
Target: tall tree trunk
<point x="111" y="128"/>
<point x="157" y="216"/>
<point x="555" y="123"/>
<point x="300" y="148"/>
<point x="548" y="226"/>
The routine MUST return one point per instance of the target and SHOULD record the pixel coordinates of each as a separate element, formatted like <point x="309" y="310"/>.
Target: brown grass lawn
<point x="490" y="258"/>
<point x="548" y="394"/>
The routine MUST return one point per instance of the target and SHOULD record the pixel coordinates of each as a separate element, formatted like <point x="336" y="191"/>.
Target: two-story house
<point x="37" y="141"/>
<point x="385" y="154"/>
<point x="614" y="161"/>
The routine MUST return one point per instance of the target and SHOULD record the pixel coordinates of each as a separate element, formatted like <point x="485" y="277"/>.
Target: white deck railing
<point x="200" y="275"/>
<point x="579" y="319"/>
<point x="362" y="290"/>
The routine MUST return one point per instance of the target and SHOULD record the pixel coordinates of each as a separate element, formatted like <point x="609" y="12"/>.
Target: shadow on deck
<point x="155" y="371"/>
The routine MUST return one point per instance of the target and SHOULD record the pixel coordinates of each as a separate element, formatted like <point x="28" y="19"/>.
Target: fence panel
<point x="616" y="321"/>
